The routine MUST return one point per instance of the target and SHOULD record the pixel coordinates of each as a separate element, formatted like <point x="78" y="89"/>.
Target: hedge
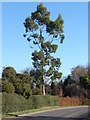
<point x="14" y="102"/>
<point x="41" y="101"/>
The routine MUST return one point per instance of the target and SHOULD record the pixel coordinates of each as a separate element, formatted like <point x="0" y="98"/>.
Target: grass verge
<point x="16" y="114"/>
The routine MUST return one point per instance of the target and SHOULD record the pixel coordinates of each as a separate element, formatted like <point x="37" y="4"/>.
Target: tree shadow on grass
<point x="14" y="115"/>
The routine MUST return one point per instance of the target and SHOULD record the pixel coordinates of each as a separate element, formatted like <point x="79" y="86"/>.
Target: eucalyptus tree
<point x="36" y="76"/>
<point x="42" y="31"/>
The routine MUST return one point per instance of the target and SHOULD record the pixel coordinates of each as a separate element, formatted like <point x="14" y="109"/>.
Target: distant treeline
<point x="29" y="83"/>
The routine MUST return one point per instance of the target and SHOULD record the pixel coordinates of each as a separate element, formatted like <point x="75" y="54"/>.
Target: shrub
<point x="42" y="101"/>
<point x="14" y="102"/>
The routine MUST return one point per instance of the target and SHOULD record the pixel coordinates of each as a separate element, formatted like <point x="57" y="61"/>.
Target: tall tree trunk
<point x="43" y="88"/>
<point x="43" y="85"/>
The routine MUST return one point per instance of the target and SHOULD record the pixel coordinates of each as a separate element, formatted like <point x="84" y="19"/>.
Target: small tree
<point x="37" y="27"/>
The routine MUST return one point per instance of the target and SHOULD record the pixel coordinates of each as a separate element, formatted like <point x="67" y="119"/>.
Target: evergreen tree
<point x="42" y="31"/>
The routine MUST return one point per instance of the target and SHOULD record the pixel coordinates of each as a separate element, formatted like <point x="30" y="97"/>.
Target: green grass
<point x="15" y="114"/>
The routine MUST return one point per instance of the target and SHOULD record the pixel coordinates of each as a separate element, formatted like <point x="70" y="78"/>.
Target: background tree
<point x="48" y="88"/>
<point x="37" y="27"/>
<point x="29" y="83"/>
<point x="59" y="86"/>
<point x="36" y="83"/>
<point x="27" y="92"/>
<point x="23" y="84"/>
<point x="53" y="88"/>
<point x="78" y="71"/>
<point x="0" y="85"/>
<point x="16" y="82"/>
<point x="78" y="83"/>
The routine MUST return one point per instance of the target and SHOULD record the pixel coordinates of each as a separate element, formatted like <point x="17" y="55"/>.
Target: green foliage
<point x="84" y="82"/>
<point x="36" y="83"/>
<point x="14" y="102"/>
<point x="86" y="101"/>
<point x="36" y="91"/>
<point x="8" y="73"/>
<point x="7" y="87"/>
<point x="42" y="101"/>
<point x="25" y="77"/>
<point x="18" y="86"/>
<point x="16" y="82"/>
<point x="27" y="90"/>
<point x="78" y="83"/>
<point x="23" y="88"/>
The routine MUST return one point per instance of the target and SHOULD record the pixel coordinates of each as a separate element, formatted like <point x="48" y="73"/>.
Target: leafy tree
<point x="74" y="91"/>
<point x="36" y="74"/>
<point x="79" y="88"/>
<point x="68" y="81"/>
<point x="85" y="82"/>
<point x="68" y="85"/>
<point x="18" y="86"/>
<point x="8" y="72"/>
<point x="78" y="71"/>
<point x="7" y="87"/>
<point x="25" y="77"/>
<point x="23" y="84"/>
<point x="37" y="27"/>
<point x="16" y="82"/>
<point x="36" y="83"/>
<point x="27" y="90"/>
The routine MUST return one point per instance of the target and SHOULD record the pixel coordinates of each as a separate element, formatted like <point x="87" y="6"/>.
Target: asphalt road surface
<point x="77" y="113"/>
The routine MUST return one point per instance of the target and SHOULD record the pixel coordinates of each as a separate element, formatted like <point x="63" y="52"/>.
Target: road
<point x="76" y="113"/>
